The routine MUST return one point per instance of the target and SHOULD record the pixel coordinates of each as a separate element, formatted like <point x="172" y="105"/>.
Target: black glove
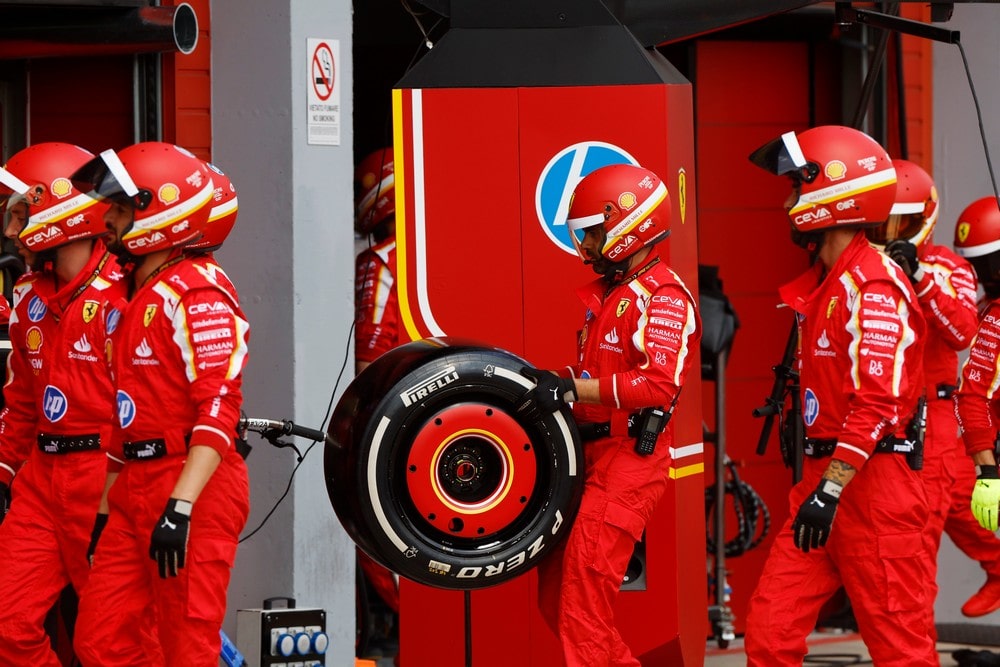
<point x="168" y="545"/>
<point x="811" y="528"/>
<point x="4" y="500"/>
<point x="904" y="253"/>
<point x="550" y="393"/>
<point x="95" y="534"/>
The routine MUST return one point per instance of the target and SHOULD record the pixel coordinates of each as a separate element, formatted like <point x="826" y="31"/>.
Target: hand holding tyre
<point x="986" y="497"/>
<point x="549" y="394"/>
<point x="812" y="525"/>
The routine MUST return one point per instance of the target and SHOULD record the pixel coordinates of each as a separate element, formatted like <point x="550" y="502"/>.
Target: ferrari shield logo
<point x="682" y="192"/>
<point x="962" y="232"/>
<point x="90" y="310"/>
<point x="830" y="306"/>
<point x="622" y="306"/>
<point x="148" y="316"/>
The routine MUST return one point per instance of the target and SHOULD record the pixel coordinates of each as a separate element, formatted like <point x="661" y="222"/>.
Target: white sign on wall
<point x="323" y="110"/>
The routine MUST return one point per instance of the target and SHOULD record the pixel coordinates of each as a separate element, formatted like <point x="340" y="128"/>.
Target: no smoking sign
<point x="323" y="112"/>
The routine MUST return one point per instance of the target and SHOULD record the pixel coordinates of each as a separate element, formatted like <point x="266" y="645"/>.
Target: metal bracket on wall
<point x="846" y="14"/>
<point x="148" y="100"/>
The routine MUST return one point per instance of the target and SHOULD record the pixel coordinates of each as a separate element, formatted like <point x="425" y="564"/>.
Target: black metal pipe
<point x="40" y="32"/>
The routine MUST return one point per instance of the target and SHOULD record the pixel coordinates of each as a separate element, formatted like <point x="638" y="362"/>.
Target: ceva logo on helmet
<point x="560" y="177"/>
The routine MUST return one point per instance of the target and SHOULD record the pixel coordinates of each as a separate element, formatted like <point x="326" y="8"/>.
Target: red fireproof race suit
<point x="376" y="318"/>
<point x="860" y="331"/>
<point x="177" y="358"/>
<point x="638" y="340"/>
<point x="377" y="329"/>
<point x="59" y="407"/>
<point x="976" y="403"/>
<point x="947" y="294"/>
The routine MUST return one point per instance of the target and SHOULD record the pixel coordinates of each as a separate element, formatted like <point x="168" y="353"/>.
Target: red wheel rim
<point x="471" y="470"/>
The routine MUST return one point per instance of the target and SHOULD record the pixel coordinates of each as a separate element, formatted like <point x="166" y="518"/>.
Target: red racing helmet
<point x="222" y="217"/>
<point x="844" y="176"/>
<point x="57" y="211"/>
<point x="977" y="233"/>
<point x="170" y="189"/>
<point x="915" y="211"/>
<point x="375" y="189"/>
<point x="631" y="202"/>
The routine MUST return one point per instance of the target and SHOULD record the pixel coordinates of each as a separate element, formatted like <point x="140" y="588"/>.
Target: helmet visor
<point x="11" y="184"/>
<point x="106" y="177"/>
<point x="899" y="226"/>
<point x="784" y="156"/>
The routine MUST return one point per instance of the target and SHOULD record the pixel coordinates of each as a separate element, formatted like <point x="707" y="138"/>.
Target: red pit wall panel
<point x="475" y="262"/>
<point x="187" y="89"/>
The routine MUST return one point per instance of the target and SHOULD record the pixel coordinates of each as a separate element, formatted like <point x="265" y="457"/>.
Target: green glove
<point x="986" y="497"/>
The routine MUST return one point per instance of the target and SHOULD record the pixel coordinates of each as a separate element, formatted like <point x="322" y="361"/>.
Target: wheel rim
<point x="471" y="471"/>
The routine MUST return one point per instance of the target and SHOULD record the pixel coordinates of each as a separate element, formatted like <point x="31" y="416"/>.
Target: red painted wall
<point x="83" y="101"/>
<point x="187" y="89"/>
<point x="918" y="88"/>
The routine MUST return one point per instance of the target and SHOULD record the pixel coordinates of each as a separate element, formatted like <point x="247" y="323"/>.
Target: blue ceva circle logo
<point x="54" y="403"/>
<point x="126" y="409"/>
<point x="560" y="177"/>
<point x="810" y="411"/>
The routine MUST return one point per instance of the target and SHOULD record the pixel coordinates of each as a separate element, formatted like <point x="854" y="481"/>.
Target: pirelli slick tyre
<point x="434" y="474"/>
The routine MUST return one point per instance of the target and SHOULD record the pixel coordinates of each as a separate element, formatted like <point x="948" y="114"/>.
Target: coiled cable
<point x="752" y="516"/>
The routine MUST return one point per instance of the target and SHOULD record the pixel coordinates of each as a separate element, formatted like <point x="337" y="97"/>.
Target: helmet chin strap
<point x="810" y="241"/>
<point x="122" y="252"/>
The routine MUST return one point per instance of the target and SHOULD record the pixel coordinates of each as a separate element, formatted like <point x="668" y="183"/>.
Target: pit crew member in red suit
<point x="179" y="497"/>
<point x="376" y="318"/>
<point x="376" y="315"/>
<point x="977" y="238"/>
<point x="946" y="288"/>
<point x="15" y="219"/>
<point x="58" y="394"/>
<point x="860" y="344"/>
<point x="640" y="334"/>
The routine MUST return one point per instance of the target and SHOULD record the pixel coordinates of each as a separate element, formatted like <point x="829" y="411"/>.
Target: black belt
<point x="67" y="444"/>
<point x="145" y="450"/>
<point x="596" y="430"/>
<point x="945" y="391"/>
<point x="817" y="448"/>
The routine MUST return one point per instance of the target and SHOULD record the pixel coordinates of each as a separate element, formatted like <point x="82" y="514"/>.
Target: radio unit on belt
<point x="645" y="426"/>
<point x="912" y="445"/>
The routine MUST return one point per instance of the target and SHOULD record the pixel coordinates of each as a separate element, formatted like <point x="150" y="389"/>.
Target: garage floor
<point x="828" y="650"/>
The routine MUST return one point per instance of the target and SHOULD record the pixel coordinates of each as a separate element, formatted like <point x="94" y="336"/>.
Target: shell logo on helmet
<point x="168" y="193"/>
<point x="627" y="201"/>
<point x="61" y="187"/>
<point x="835" y="170"/>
